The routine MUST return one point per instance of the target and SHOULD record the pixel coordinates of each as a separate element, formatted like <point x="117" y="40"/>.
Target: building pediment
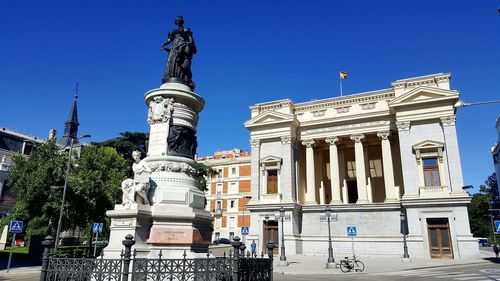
<point x="428" y="144"/>
<point x="270" y="117"/>
<point x="424" y="94"/>
<point x="270" y="159"/>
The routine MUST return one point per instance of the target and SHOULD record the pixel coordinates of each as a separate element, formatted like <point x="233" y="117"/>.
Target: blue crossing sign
<point x="97" y="227"/>
<point x="352" y="231"/>
<point x="245" y="230"/>
<point x="497" y="227"/>
<point x="16" y="226"/>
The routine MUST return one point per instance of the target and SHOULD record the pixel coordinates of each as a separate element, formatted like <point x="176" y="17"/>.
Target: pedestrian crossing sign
<point x="352" y="231"/>
<point x="16" y="226"/>
<point x="97" y="227"/>
<point x="497" y="227"/>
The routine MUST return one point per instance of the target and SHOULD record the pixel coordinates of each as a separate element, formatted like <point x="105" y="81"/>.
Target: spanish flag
<point x="343" y="75"/>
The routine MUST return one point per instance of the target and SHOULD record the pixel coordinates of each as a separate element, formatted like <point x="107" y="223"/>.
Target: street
<point x="473" y="272"/>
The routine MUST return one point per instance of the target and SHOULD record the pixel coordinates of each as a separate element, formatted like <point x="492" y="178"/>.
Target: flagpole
<point x="340" y="82"/>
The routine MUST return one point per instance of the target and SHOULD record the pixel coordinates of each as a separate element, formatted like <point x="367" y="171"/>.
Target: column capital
<point x="332" y="140"/>
<point x="308" y="143"/>
<point x="254" y="142"/>
<point x="384" y="135"/>
<point x="403" y="125"/>
<point x="287" y="139"/>
<point x="357" y="138"/>
<point x="448" y="120"/>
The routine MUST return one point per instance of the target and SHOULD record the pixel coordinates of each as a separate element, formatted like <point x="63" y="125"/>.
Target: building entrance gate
<point x="439" y="238"/>
<point x="273" y="230"/>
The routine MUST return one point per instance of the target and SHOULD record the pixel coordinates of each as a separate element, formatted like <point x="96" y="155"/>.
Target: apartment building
<point x="228" y="192"/>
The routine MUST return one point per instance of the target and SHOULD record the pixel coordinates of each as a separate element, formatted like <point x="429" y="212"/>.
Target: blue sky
<point x="248" y="52"/>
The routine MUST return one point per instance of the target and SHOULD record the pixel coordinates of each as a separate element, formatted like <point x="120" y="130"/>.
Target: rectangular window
<point x="376" y="168"/>
<point x="217" y="223"/>
<point x="232" y="203"/>
<point x="431" y="172"/>
<point x="218" y="206"/>
<point x="351" y="169"/>
<point x="219" y="189"/>
<point x="232" y="222"/>
<point x="272" y="181"/>
<point x="217" y="235"/>
<point x="233" y="171"/>
<point x="233" y="188"/>
<point x="220" y="173"/>
<point x="231" y="236"/>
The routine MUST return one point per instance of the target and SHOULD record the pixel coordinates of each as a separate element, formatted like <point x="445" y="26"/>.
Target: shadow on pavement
<point x="18" y="260"/>
<point x="493" y="260"/>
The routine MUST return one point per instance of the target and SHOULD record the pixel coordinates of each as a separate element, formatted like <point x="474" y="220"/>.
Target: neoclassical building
<point x="370" y="157"/>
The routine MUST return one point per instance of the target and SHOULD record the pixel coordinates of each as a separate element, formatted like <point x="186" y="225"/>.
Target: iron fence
<point x="232" y="267"/>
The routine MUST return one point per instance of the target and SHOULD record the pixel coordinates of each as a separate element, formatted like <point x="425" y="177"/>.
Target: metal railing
<point x="232" y="267"/>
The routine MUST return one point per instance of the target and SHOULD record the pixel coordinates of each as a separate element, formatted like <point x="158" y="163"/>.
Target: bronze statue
<point x="178" y="68"/>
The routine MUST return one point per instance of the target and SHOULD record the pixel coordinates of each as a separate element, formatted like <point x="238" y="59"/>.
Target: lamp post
<point x="328" y="215"/>
<point x="404" y="231"/>
<point x="461" y="104"/>
<point x="59" y="223"/>
<point x="282" y="256"/>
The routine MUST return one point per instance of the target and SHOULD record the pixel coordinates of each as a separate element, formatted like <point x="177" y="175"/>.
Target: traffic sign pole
<point x="95" y="243"/>
<point x="352" y="243"/>
<point x="12" y="244"/>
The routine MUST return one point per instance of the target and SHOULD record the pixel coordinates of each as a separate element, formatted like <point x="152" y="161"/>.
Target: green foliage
<point x="31" y="178"/>
<point x="479" y="215"/>
<point x="202" y="173"/>
<point x="126" y="144"/>
<point x="93" y="187"/>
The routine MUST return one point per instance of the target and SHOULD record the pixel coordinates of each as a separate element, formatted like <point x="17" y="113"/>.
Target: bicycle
<point x="347" y="265"/>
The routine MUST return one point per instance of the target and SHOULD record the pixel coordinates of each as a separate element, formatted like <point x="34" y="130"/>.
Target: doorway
<point x="438" y="230"/>
<point x="273" y="233"/>
<point x="352" y="191"/>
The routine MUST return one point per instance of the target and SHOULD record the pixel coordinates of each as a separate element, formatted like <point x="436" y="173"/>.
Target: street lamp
<point x="329" y="216"/>
<point x="461" y="104"/>
<point x="404" y="231"/>
<point x="59" y="223"/>
<point x="282" y="256"/>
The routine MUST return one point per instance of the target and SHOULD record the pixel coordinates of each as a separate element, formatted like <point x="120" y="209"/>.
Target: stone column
<point x="452" y="154"/>
<point x="287" y="177"/>
<point x="334" y="170"/>
<point x="360" y="168"/>
<point x="408" y="162"/>
<point x="390" y="191"/>
<point x="310" y="177"/>
<point x="255" y="182"/>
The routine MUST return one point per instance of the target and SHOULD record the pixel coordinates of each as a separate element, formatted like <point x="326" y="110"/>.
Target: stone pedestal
<point x="177" y="220"/>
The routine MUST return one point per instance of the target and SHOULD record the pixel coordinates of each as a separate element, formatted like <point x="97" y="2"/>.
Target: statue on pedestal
<point x="180" y="55"/>
<point x="139" y="184"/>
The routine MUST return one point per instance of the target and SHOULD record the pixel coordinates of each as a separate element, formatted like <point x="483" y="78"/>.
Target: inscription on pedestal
<point x="158" y="139"/>
<point x="176" y="236"/>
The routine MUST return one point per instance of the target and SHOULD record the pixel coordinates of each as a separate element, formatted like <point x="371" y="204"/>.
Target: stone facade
<point x="371" y="157"/>
<point x="228" y="192"/>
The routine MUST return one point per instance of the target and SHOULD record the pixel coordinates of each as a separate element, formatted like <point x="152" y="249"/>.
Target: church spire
<point x="71" y="124"/>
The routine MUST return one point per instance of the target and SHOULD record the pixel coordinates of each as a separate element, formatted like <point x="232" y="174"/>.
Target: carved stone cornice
<point x="332" y="140"/>
<point x="384" y="135"/>
<point x="403" y="125"/>
<point x="368" y="106"/>
<point x="343" y="109"/>
<point x="287" y="139"/>
<point x="176" y="167"/>
<point x="308" y="143"/>
<point x="448" y="120"/>
<point x="357" y="138"/>
<point x="254" y="142"/>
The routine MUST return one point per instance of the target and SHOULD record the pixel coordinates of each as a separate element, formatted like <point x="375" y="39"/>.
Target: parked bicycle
<point x="347" y="265"/>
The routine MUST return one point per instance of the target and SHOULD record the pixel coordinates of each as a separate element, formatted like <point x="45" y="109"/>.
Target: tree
<point x="93" y="187"/>
<point x="203" y="172"/>
<point x="126" y="143"/>
<point x="479" y="208"/>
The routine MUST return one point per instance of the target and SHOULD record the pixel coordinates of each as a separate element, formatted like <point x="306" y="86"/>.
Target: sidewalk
<point x="317" y="264"/>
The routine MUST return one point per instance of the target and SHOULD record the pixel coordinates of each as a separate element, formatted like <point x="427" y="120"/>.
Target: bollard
<point x="242" y="250"/>
<point x="47" y="244"/>
<point x="270" y="248"/>
<point x="236" y="261"/>
<point x="128" y="243"/>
